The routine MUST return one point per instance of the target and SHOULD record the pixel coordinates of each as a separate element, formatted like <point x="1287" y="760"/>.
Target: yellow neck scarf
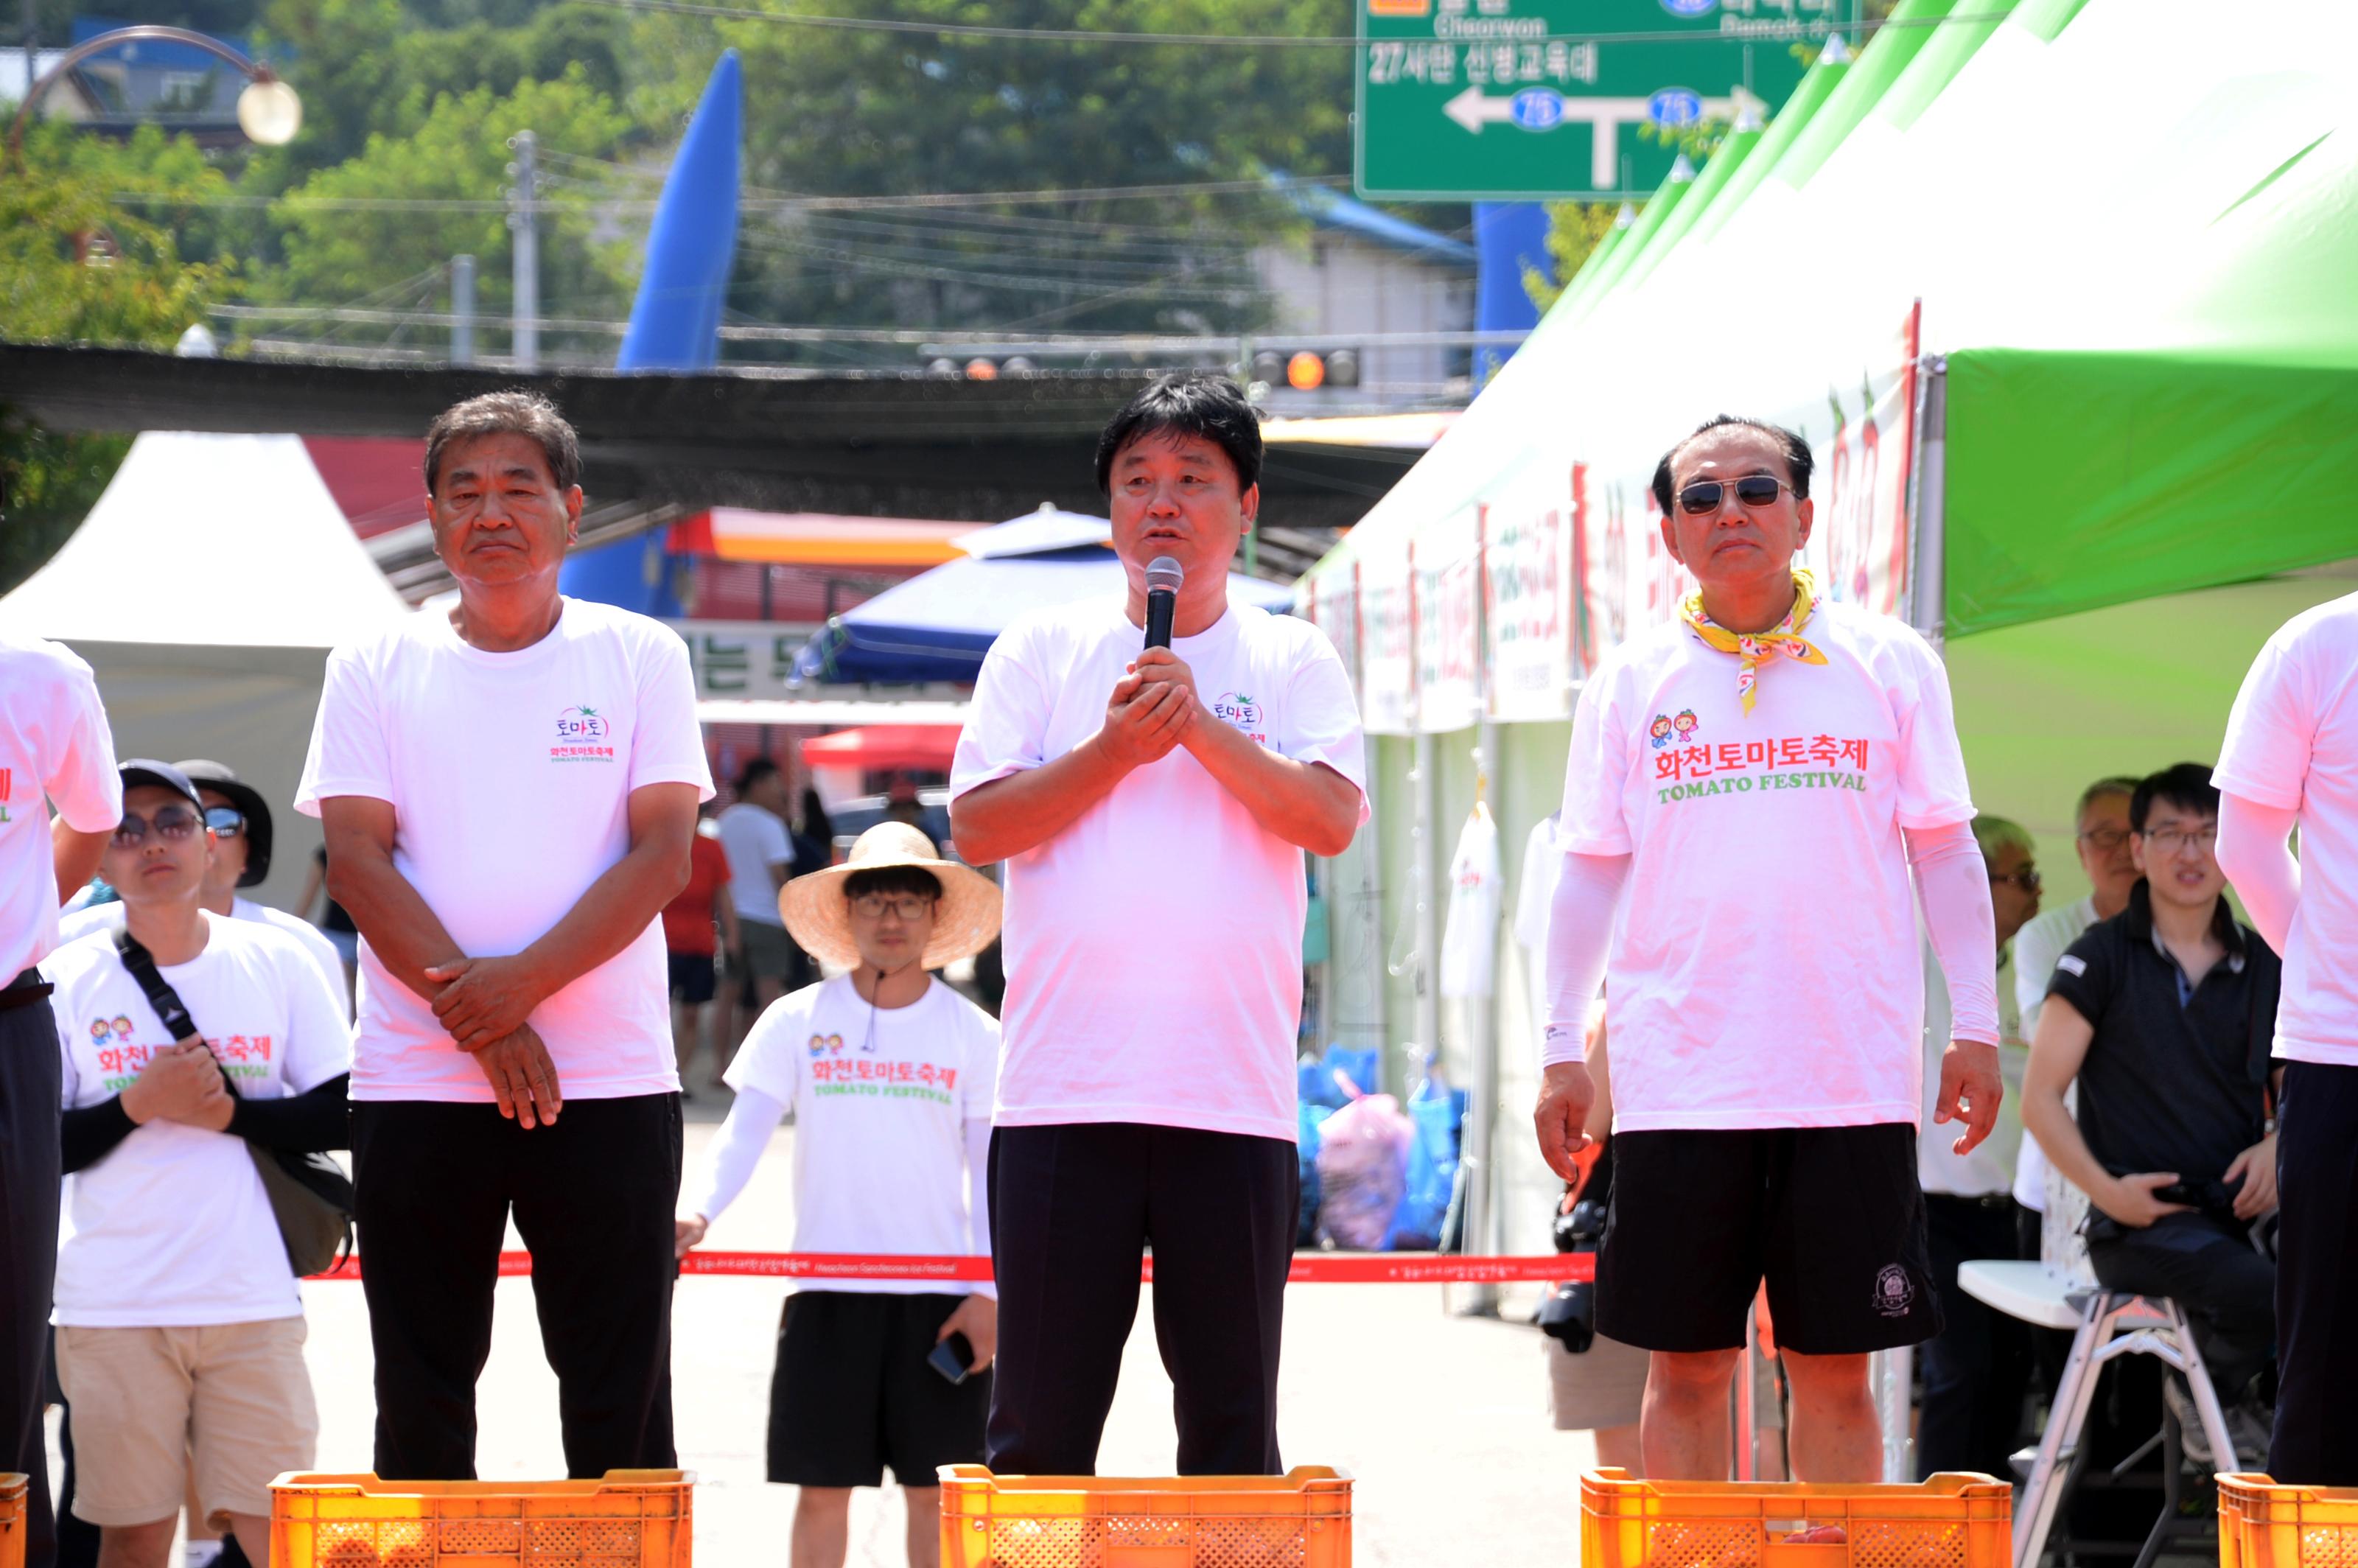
<point x="1754" y="649"/>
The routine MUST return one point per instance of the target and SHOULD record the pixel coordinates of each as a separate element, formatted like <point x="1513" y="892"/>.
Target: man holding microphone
<point x="1153" y="807"/>
<point x="1764" y="981"/>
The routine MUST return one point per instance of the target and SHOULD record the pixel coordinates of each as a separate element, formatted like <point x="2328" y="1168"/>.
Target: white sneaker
<point x="2190" y="1435"/>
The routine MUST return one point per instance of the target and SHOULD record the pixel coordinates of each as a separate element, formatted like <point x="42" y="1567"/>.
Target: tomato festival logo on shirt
<point x="1744" y="767"/>
<point x="118" y="1026"/>
<point x="887" y="1080"/>
<point x="1241" y="713"/>
<point x="821" y="1044"/>
<point x="581" y="735"/>
<point x="1664" y="728"/>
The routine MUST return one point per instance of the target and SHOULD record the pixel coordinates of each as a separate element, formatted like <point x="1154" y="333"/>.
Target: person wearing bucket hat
<point x="1152" y="805"/>
<point x="238" y="820"/>
<point x="890" y="1076"/>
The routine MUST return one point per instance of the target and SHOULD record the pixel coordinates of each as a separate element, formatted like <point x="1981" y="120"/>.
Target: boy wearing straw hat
<point x="890" y="1073"/>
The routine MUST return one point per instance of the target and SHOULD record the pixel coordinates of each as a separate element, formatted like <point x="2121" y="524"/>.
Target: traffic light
<point x="1307" y="369"/>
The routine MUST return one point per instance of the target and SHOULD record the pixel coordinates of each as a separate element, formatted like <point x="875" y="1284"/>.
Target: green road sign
<point x="1523" y="100"/>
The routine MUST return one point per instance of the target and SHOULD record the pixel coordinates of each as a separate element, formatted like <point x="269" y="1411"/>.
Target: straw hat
<point x="820" y="916"/>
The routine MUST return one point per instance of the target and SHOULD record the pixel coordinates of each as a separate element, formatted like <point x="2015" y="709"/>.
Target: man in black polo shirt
<point x="2164" y="1014"/>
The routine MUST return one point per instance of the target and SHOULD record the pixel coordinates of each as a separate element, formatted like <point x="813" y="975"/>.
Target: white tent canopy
<point x="205" y="587"/>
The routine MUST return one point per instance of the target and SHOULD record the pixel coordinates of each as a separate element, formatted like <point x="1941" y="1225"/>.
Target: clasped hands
<point x="1154" y="709"/>
<point x="483" y="1003"/>
<point x="181" y="1083"/>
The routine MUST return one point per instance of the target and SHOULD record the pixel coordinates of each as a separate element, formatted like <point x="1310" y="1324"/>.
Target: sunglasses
<point x="174" y="823"/>
<point x="1703" y="497"/>
<point x="226" y="821"/>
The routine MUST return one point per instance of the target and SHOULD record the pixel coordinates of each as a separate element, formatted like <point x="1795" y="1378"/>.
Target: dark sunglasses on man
<point x="175" y="823"/>
<point x="1703" y="498"/>
<point x="226" y="821"/>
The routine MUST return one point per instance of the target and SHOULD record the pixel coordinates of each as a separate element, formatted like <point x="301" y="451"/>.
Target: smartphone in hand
<point x="952" y="1358"/>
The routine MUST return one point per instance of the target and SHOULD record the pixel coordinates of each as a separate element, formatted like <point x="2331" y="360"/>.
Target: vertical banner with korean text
<point x="1448" y="650"/>
<point x="1527" y="595"/>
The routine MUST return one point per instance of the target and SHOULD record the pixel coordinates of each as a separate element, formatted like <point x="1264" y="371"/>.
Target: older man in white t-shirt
<point x="55" y="748"/>
<point x="2291" y="761"/>
<point x="509" y="790"/>
<point x="1749" y="788"/>
<point x="1153" y="808"/>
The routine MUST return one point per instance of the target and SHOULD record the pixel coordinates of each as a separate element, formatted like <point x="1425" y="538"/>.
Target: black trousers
<point x="593" y="1196"/>
<point x="31" y="1078"/>
<point x="2316" y="1438"/>
<point x="1071" y="1209"/>
<point x="2205" y="1263"/>
<point x="1977" y="1368"/>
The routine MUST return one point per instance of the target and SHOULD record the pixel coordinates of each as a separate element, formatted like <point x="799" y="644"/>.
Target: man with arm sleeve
<point x="508" y="791"/>
<point x="1749" y="791"/>
<point x="2291" y="761"/>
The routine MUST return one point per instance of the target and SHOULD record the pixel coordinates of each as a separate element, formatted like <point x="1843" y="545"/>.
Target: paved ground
<point x="1442" y="1420"/>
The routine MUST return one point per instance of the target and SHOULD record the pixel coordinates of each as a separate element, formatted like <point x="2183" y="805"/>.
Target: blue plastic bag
<point x="1432" y="1168"/>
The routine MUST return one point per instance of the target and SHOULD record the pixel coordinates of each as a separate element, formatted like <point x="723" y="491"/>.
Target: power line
<point x="1794" y="30"/>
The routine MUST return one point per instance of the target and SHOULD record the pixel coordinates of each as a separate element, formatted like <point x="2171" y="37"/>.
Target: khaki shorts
<point x="233" y="1400"/>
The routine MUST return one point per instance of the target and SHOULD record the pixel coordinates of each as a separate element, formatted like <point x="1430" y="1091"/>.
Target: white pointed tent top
<point x="1625" y="218"/>
<point x="1836" y="52"/>
<point x="210" y="540"/>
<point x="1682" y="171"/>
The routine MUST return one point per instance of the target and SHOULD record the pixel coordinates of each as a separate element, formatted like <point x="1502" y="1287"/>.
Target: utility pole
<point x="462" y="310"/>
<point x="524" y="222"/>
<point x="32" y="41"/>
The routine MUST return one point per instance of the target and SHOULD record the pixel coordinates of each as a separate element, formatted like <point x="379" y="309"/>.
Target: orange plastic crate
<point x="1302" y="1520"/>
<point x="632" y="1518"/>
<point x="12" y="1519"/>
<point x="1948" y="1522"/>
<point x="2263" y="1525"/>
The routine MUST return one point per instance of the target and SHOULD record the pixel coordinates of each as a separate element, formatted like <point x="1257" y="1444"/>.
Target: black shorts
<point x="852" y="1392"/>
<point x="692" y="978"/>
<point x="1831" y="1217"/>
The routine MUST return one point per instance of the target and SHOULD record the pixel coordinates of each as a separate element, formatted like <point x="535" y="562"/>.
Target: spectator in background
<point x="2163" y="1015"/>
<point x="54" y="747"/>
<point x="814" y="835"/>
<point x="2100" y="836"/>
<point x="1977" y="1369"/>
<point x="2291" y="761"/>
<point x="238" y="820"/>
<point x="761" y="858"/>
<point x="700" y="919"/>
<point x="888" y="1073"/>
<point x="509" y="789"/>
<point x="179" y="1324"/>
<point x="335" y="922"/>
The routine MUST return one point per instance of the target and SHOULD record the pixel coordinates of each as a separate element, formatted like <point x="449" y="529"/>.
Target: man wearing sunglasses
<point x="179" y="1324"/>
<point x="238" y="820"/>
<point x="1748" y="888"/>
<point x="508" y="789"/>
<point x="55" y="749"/>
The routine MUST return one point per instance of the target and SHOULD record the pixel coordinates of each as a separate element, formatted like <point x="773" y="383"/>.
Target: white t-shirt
<point x="172" y="1226"/>
<point x="1153" y="948"/>
<point x="2292" y="743"/>
<point x="109" y="917"/>
<point x="882" y="1098"/>
<point x="510" y="775"/>
<point x="1765" y="971"/>
<point x="1469" y="934"/>
<point x="754" y="840"/>
<point x="2036" y="947"/>
<point x="1990" y="1168"/>
<point x="54" y="743"/>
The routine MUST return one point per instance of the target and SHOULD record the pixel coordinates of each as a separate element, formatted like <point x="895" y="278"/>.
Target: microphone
<point x="1163" y="576"/>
